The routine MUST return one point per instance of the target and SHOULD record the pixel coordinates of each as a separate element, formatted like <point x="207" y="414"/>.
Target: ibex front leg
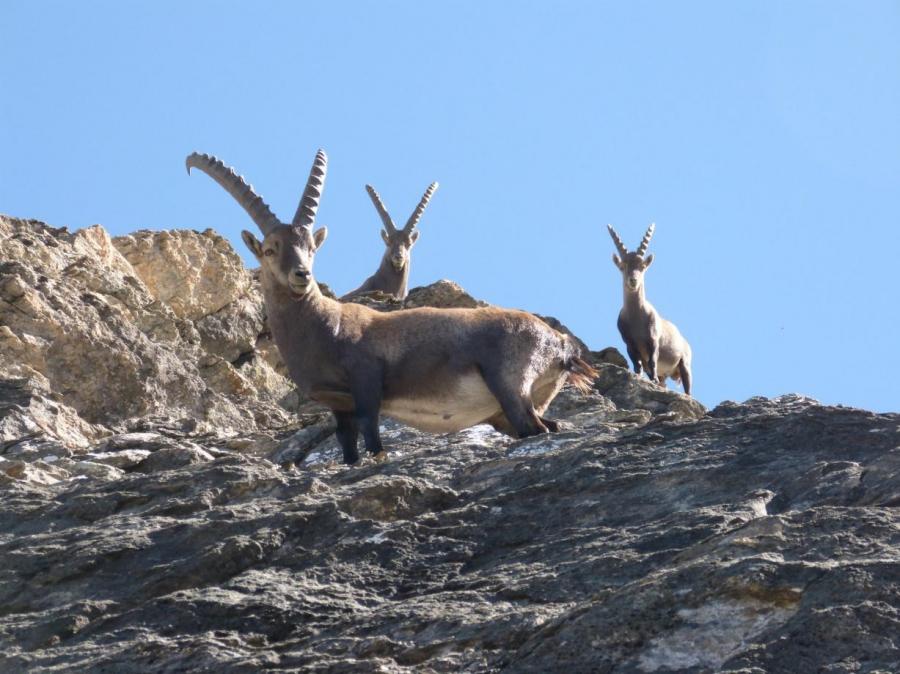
<point x="367" y="390"/>
<point x="653" y="361"/>
<point x="635" y="357"/>
<point x="347" y="434"/>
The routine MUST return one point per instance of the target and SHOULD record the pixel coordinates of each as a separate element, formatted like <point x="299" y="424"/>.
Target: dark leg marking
<point x="367" y="400"/>
<point x="685" y="376"/>
<point x="654" y="359"/>
<point x="635" y="357"/>
<point x="347" y="434"/>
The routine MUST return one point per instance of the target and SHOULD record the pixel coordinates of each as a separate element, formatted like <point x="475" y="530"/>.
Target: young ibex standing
<point x="393" y="272"/>
<point x="438" y="370"/>
<point x="652" y="342"/>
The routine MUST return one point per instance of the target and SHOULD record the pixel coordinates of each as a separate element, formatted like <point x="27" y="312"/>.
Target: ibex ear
<point x="648" y="261"/>
<point x="413" y="236"/>
<point x="387" y="239"/>
<point x="320" y="236"/>
<point x="617" y="261"/>
<point x="252" y="243"/>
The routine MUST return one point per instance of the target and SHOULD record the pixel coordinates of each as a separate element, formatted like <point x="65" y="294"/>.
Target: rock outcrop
<point x="186" y="521"/>
<point x="105" y="328"/>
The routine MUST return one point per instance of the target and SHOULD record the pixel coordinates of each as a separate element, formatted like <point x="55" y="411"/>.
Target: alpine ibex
<point x="652" y="342"/>
<point x="392" y="274"/>
<point x="438" y="370"/>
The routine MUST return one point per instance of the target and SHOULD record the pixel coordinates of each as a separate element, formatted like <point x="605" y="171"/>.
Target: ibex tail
<point x="581" y="374"/>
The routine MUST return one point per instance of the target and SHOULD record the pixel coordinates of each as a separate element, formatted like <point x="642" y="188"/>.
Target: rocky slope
<point x="165" y="505"/>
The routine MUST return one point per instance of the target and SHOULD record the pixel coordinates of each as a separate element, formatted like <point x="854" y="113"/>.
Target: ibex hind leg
<point x="552" y="425"/>
<point x="543" y="395"/>
<point x="501" y="424"/>
<point x="347" y="434"/>
<point x="685" y="372"/>
<point x="517" y="407"/>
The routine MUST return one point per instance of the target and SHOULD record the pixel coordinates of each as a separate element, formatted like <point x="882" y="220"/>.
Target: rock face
<point x="762" y="537"/>
<point x="106" y="334"/>
<point x="195" y="274"/>
<point x="649" y="535"/>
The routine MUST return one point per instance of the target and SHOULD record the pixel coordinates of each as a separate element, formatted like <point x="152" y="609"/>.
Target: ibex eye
<point x="269" y="252"/>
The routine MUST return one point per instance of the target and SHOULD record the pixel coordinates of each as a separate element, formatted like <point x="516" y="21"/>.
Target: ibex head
<point x="400" y="241"/>
<point x="286" y="252"/>
<point x="632" y="265"/>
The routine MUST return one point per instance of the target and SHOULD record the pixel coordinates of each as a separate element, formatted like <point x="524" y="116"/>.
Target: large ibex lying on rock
<point x="438" y="370"/>
<point x="654" y="344"/>
<point x="392" y="275"/>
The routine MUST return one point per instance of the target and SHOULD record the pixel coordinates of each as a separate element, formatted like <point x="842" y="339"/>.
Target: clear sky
<point x="763" y="138"/>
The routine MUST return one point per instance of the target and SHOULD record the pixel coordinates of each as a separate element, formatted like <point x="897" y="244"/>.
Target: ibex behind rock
<point x="654" y="344"/>
<point x="438" y="370"/>
<point x="392" y="275"/>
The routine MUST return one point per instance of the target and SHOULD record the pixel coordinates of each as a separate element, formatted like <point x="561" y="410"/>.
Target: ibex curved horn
<point x="382" y="211"/>
<point x="417" y="214"/>
<point x="315" y="185"/>
<point x="237" y="187"/>
<point x="646" y="240"/>
<point x="623" y="251"/>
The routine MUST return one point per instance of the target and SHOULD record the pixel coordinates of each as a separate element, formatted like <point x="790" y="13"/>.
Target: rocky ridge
<point x="169" y="505"/>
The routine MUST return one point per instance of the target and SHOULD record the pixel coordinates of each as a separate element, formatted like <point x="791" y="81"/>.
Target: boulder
<point x="195" y="273"/>
<point x="153" y="324"/>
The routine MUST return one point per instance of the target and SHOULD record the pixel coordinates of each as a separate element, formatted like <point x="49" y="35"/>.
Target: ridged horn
<point x="623" y="251"/>
<point x="646" y="240"/>
<point x="382" y="211"/>
<point x="417" y="214"/>
<point x="237" y="187"/>
<point x="315" y="185"/>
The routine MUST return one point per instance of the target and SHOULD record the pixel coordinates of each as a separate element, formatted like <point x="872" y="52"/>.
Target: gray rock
<point x="295" y="448"/>
<point x="106" y="331"/>
<point x="91" y="469"/>
<point x="29" y="417"/>
<point x="233" y="329"/>
<point x="134" y="440"/>
<point x="31" y="473"/>
<point x="196" y="525"/>
<point x="124" y="459"/>
<point x="171" y="458"/>
<point x="760" y="537"/>
<point x="631" y="392"/>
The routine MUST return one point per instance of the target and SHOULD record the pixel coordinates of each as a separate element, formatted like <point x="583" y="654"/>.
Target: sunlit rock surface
<point x="103" y="333"/>
<point x="649" y="535"/>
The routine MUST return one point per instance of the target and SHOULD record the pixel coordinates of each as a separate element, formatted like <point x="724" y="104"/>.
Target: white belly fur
<point x="469" y="403"/>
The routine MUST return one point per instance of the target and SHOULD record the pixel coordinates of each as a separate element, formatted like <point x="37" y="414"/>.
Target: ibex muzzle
<point x="287" y="254"/>
<point x="438" y="370"/>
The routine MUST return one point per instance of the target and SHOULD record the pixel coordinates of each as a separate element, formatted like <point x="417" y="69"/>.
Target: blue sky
<point x="762" y="138"/>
